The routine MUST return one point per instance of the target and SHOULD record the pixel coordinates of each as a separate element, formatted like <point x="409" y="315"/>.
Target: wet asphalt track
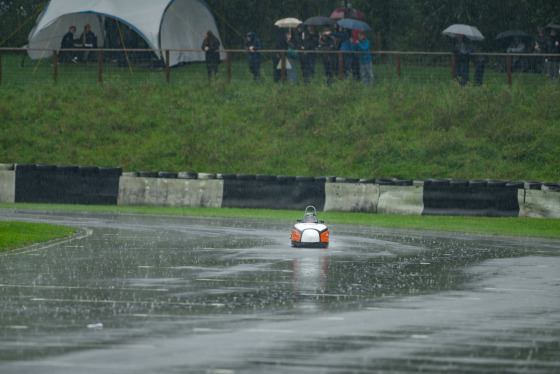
<point x="201" y="295"/>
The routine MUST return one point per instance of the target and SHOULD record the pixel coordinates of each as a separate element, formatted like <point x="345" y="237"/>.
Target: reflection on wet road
<point x="147" y="294"/>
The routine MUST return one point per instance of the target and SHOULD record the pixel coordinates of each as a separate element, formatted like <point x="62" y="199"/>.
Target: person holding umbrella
<point x="462" y="49"/>
<point x="309" y="42"/>
<point x="254" y="45"/>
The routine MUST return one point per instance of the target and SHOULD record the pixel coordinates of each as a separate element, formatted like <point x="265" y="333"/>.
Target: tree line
<point x="405" y="25"/>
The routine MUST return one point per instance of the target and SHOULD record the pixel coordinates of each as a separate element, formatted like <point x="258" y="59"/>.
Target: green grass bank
<point x="399" y="128"/>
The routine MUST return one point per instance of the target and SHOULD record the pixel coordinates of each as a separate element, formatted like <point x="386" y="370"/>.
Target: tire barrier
<point x="66" y="184"/>
<point x="444" y="197"/>
<point x="71" y="184"/>
<point x="283" y="193"/>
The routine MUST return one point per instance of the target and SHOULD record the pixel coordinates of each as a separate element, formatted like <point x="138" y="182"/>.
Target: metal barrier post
<point x="100" y="67"/>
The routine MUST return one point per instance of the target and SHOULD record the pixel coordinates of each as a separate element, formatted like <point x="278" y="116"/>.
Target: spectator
<point x="87" y="40"/>
<point x="326" y="44"/>
<point x="539" y="48"/>
<point x="69" y="43"/>
<point x="366" y="66"/>
<point x="291" y="58"/>
<point x="345" y="45"/>
<point x="309" y="42"/>
<point x="254" y="45"/>
<point x="553" y="47"/>
<point x="211" y="47"/>
<point x="462" y="50"/>
<point x="517" y="46"/>
<point x="281" y="45"/>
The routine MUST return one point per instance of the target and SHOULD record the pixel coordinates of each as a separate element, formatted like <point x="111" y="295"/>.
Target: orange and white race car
<point x="309" y="231"/>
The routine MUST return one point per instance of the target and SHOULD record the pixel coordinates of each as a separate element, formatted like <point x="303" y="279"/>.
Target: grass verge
<point x="512" y="226"/>
<point x="21" y="234"/>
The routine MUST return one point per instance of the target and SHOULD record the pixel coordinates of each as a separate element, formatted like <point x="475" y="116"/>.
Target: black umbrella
<point x="553" y="25"/>
<point x="512" y="34"/>
<point x="318" y="21"/>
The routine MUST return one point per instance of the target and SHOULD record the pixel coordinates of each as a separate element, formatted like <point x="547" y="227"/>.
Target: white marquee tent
<point x="163" y="24"/>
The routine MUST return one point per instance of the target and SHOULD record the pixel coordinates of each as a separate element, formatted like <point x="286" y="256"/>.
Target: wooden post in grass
<point x="340" y="66"/>
<point x="283" y="71"/>
<point x="508" y="69"/>
<point x="0" y="67"/>
<point x="399" y="66"/>
<point x="55" y="66"/>
<point x="100" y="67"/>
<point x="167" y="65"/>
<point x="453" y="61"/>
<point x="229" y="66"/>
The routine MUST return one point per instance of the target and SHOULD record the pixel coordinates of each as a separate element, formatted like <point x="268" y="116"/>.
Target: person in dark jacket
<point x="309" y="42"/>
<point x="330" y="60"/>
<point x="462" y="49"/>
<point x="254" y="45"/>
<point x="211" y="47"/>
<point x="281" y="45"/>
<point x="87" y="40"/>
<point x="539" y="48"/>
<point x="552" y="62"/>
<point x="68" y="43"/>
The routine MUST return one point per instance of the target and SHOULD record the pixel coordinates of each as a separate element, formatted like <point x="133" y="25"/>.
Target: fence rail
<point x="504" y="68"/>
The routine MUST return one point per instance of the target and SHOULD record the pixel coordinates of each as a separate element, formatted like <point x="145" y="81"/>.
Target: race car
<point x="309" y="231"/>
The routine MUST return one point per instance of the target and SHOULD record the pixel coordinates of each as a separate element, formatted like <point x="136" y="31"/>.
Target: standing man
<point x="211" y="47"/>
<point x="462" y="49"/>
<point x="552" y="64"/>
<point x="254" y="45"/>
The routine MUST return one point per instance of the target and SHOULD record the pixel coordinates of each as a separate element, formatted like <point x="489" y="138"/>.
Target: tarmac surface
<point x="162" y="294"/>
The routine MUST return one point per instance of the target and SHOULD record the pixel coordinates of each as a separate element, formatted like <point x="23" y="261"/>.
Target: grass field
<point x="20" y="234"/>
<point x="401" y="128"/>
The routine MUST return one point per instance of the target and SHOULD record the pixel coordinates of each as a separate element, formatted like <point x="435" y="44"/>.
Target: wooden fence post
<point x="453" y="61"/>
<point x="55" y="66"/>
<point x="399" y="66"/>
<point x="283" y="71"/>
<point x="100" y="67"/>
<point x="0" y="67"/>
<point x="508" y="69"/>
<point x="340" y="66"/>
<point x="229" y="66"/>
<point x="167" y="65"/>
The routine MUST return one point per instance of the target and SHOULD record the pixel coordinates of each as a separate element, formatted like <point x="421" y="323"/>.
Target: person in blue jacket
<point x="366" y="66"/>
<point x="254" y="45"/>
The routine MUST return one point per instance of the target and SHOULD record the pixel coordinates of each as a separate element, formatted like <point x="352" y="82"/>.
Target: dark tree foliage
<point x="407" y="25"/>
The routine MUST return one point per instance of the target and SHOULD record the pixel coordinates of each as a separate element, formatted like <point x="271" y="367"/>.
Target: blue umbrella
<point x="353" y="24"/>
